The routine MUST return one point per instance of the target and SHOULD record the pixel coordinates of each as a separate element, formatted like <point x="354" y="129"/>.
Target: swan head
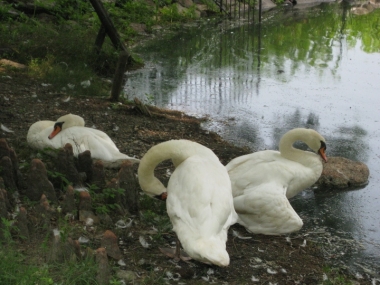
<point x="65" y="122"/>
<point x="211" y="251"/>
<point x="312" y="138"/>
<point x="317" y="143"/>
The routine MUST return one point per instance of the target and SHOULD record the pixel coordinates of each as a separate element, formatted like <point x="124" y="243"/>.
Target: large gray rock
<point x="342" y="173"/>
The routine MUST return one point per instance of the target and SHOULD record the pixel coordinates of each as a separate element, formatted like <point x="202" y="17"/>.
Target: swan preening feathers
<point x="70" y="129"/>
<point x="199" y="201"/>
<point x="263" y="181"/>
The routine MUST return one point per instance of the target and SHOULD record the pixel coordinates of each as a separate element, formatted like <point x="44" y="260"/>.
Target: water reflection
<point x="312" y="68"/>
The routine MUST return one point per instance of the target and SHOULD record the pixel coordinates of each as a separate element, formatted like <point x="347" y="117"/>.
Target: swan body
<point x="262" y="182"/>
<point x="70" y="129"/>
<point x="199" y="197"/>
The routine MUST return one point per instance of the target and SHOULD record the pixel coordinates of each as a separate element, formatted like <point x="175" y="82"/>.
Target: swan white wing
<point x="265" y="166"/>
<point x="104" y="137"/>
<point x="83" y="139"/>
<point x="264" y="209"/>
<point x="200" y="206"/>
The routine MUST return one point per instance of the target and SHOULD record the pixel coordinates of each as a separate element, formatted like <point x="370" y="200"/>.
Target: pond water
<point x="316" y="67"/>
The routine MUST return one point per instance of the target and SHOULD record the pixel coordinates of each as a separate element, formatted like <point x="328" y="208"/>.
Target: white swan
<point x="70" y="129"/>
<point x="263" y="181"/>
<point x="199" y="197"/>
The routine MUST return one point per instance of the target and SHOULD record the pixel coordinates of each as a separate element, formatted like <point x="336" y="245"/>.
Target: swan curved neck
<point x="289" y="152"/>
<point x="177" y="151"/>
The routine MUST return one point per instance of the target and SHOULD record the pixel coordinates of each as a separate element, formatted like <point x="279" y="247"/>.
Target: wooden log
<point x="141" y="106"/>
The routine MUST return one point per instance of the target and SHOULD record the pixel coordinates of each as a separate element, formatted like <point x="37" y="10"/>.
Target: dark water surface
<point x="317" y="67"/>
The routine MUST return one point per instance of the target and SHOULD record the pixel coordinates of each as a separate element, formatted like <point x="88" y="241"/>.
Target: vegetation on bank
<point x="56" y="39"/>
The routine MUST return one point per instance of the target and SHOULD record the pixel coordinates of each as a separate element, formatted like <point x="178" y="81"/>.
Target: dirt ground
<point x="256" y="260"/>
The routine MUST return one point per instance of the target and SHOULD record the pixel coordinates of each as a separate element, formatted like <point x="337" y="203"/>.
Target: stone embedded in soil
<point x="104" y="272"/>
<point x="110" y="243"/>
<point x="127" y="180"/>
<point x="38" y="182"/>
<point x="342" y="173"/>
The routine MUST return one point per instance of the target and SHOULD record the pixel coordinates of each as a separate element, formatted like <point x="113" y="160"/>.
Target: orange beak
<point x="322" y="153"/>
<point x="56" y="130"/>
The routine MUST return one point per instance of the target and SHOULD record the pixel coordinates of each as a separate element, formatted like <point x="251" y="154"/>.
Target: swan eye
<point x="323" y="145"/>
<point x="58" y="124"/>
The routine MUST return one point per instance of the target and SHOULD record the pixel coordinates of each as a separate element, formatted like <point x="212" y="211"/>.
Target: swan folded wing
<point x="103" y="137"/>
<point x="83" y="139"/>
<point x="265" y="209"/>
<point x="261" y="167"/>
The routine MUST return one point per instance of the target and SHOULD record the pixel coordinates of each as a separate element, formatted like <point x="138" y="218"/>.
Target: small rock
<point x="342" y="173"/>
